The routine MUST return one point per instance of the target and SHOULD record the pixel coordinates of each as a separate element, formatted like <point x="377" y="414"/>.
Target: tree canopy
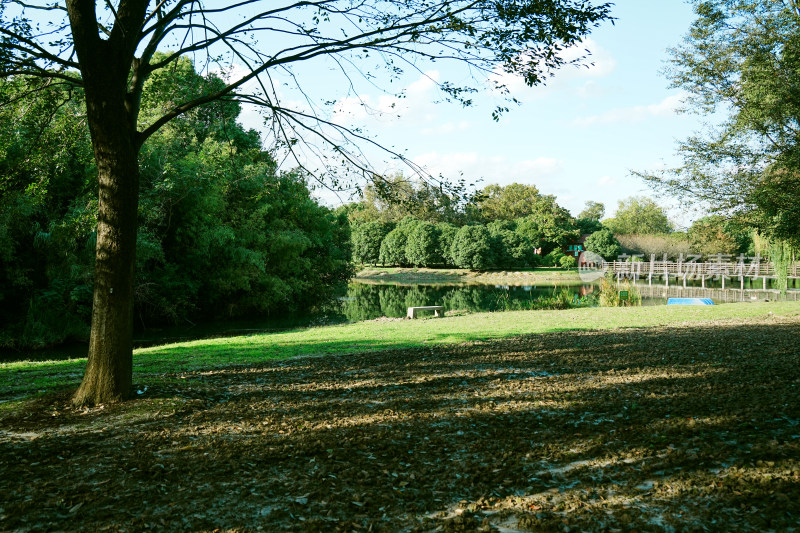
<point x="593" y="211"/>
<point x="716" y="234"/>
<point x="639" y="215"/>
<point x="498" y="202"/>
<point x="742" y="59"/>
<point x="603" y="243"/>
<point x="73" y="42"/>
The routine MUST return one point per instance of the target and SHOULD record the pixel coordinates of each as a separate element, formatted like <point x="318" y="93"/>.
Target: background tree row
<point x="510" y="226"/>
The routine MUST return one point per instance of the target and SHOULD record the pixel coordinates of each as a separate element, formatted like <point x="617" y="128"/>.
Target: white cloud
<point x="667" y="107"/>
<point x="590" y="89"/>
<point x="607" y="181"/>
<point x="446" y="128"/>
<point x="599" y="63"/>
<point x="416" y="103"/>
<point x="492" y="169"/>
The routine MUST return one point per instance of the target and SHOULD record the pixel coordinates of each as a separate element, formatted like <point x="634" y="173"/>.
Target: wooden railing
<point x="752" y="269"/>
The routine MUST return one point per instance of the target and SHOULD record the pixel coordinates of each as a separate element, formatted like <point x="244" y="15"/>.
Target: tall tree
<point x="108" y="49"/>
<point x="548" y="226"/>
<point x="604" y="243"/>
<point x="639" y="215"/>
<point x="715" y="234"/>
<point x="393" y="196"/>
<point x="742" y="58"/>
<point x="509" y="202"/>
<point x="593" y="211"/>
<point x="221" y="233"/>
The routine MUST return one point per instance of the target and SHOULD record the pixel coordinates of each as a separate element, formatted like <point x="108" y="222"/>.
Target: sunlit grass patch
<point x="150" y="363"/>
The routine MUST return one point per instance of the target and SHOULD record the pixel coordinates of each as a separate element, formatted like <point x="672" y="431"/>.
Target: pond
<point x="368" y="301"/>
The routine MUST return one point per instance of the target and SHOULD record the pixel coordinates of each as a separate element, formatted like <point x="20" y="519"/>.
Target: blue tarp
<point x="690" y="301"/>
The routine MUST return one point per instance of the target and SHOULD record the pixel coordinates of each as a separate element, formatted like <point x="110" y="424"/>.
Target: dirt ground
<point x="670" y="429"/>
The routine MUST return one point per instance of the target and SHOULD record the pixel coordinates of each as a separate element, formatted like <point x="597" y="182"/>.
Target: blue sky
<point x="577" y="138"/>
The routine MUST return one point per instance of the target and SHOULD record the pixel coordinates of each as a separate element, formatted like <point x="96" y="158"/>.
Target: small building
<point x="575" y="248"/>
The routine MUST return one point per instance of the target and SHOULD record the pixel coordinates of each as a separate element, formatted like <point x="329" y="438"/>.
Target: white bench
<point x="438" y="310"/>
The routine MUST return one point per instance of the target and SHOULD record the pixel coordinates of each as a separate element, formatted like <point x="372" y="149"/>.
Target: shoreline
<point x="408" y="276"/>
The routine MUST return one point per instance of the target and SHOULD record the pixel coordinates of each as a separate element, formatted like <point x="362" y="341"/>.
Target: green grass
<point x="22" y="379"/>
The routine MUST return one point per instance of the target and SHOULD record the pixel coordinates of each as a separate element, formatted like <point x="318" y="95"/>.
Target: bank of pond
<point x="370" y="301"/>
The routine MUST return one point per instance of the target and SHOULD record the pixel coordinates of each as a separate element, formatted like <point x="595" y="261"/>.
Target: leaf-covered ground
<point x="672" y="428"/>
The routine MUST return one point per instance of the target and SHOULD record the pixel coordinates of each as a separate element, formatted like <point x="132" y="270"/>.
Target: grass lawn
<point x="653" y="419"/>
<point x="21" y="379"/>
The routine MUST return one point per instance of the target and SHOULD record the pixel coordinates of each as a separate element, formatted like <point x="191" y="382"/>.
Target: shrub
<point x="553" y="258"/>
<point x="509" y="249"/>
<point x="472" y="248"/>
<point x="603" y="243"/>
<point x="393" y="248"/>
<point x="422" y="246"/>
<point x="447" y="234"/>
<point x="567" y="262"/>
<point x="366" y="240"/>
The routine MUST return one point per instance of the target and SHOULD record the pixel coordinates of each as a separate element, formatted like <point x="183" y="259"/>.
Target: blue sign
<point x="690" y="301"/>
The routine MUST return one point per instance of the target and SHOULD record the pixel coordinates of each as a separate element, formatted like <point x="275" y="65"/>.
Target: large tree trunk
<point x="111" y="113"/>
<point x="108" y="374"/>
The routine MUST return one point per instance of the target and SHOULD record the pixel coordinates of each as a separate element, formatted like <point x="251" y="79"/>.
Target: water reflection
<point x="370" y="301"/>
<point x="367" y="301"/>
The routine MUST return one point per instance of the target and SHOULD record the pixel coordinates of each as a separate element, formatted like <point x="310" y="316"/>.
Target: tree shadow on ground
<point x="652" y="429"/>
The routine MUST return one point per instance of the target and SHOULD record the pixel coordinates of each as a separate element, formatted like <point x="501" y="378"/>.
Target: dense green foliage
<point x="593" y="211"/>
<point x="567" y="262"/>
<point x="587" y="226"/>
<point x="47" y="212"/>
<point x="472" y="248"/>
<point x="715" y="234"/>
<point x="544" y="235"/>
<point x="603" y="243"/>
<point x="639" y="215"/>
<point x="422" y="246"/>
<point x="509" y="227"/>
<point x="509" y="248"/>
<point x="554" y="257"/>
<point x="391" y="198"/>
<point x="549" y="224"/>
<point x="393" y="247"/>
<point x="496" y="202"/>
<point x="366" y="241"/>
<point x="221" y="233"/>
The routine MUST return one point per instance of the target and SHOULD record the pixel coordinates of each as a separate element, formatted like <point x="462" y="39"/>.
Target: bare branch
<point x="50" y="7"/>
<point x="33" y="49"/>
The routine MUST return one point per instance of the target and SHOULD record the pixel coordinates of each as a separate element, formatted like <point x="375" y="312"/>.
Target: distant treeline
<point x="506" y="227"/>
<point x="514" y="226"/>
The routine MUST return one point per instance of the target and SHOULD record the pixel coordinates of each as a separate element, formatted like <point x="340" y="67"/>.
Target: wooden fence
<point x="681" y="271"/>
